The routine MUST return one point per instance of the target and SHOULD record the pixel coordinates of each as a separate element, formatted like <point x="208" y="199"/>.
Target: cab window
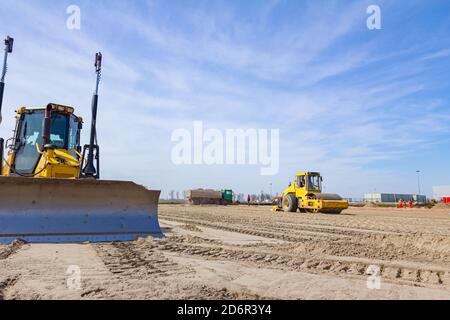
<point x="58" y="131"/>
<point x="301" y="181"/>
<point x="74" y="132"/>
<point x="314" y="183"/>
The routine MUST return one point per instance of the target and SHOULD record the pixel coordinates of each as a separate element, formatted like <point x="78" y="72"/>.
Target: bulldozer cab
<point x="28" y="137"/>
<point x="310" y="182"/>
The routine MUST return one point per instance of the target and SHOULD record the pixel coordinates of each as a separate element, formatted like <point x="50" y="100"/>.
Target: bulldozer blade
<point x="39" y="210"/>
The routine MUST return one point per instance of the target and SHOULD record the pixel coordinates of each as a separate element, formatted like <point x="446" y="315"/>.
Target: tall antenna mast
<point x="8" y="49"/>
<point x="91" y="170"/>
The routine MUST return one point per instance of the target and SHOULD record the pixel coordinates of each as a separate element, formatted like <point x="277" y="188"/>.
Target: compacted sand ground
<point x="241" y="252"/>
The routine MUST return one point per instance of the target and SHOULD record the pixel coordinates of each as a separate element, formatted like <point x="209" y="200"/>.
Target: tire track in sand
<point x="5" y="285"/>
<point x="275" y="258"/>
<point x="415" y="247"/>
<point x="144" y="267"/>
<point x="9" y="250"/>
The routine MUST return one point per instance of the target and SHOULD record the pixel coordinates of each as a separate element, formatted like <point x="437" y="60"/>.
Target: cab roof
<point x="307" y="173"/>
<point x="55" y="107"/>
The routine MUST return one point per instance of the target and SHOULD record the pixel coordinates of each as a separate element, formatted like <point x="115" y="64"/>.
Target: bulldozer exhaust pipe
<point x="8" y="49"/>
<point x="47" y="125"/>
<point x="2" y="89"/>
<point x="90" y="170"/>
<point x="2" y="147"/>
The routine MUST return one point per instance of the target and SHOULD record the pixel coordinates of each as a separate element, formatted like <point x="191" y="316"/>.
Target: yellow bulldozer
<point x="305" y="194"/>
<point x="50" y="187"/>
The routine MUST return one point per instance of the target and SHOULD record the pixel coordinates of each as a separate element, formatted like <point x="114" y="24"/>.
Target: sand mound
<point x="8" y="250"/>
<point x="191" y="227"/>
<point x="370" y="205"/>
<point x="441" y="206"/>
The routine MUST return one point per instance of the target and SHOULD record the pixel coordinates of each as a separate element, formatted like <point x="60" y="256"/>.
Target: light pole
<point x="418" y="181"/>
<point x="270" y="190"/>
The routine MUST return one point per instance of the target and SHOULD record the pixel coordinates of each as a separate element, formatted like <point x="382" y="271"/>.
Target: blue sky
<point x="367" y="108"/>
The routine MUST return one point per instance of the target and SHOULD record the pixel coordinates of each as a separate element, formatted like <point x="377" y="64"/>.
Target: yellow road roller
<point x="305" y="194"/>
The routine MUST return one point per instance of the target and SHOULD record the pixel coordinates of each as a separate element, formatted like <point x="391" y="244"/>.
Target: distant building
<point x="392" y="197"/>
<point x="441" y="192"/>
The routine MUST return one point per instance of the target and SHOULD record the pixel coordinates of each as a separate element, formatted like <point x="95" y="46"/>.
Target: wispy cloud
<point x="439" y="54"/>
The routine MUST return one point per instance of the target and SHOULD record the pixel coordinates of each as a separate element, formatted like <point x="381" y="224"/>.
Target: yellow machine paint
<point x="54" y="161"/>
<point x="305" y="194"/>
<point x="50" y="187"/>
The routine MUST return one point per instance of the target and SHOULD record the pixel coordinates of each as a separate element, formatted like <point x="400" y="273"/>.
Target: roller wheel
<point x="290" y="203"/>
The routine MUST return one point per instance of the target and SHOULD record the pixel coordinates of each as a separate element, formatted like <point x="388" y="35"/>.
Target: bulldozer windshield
<point x="314" y="183"/>
<point x="64" y="134"/>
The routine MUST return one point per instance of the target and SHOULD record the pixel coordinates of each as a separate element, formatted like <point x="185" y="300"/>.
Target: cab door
<point x="28" y="135"/>
<point x="300" y="182"/>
